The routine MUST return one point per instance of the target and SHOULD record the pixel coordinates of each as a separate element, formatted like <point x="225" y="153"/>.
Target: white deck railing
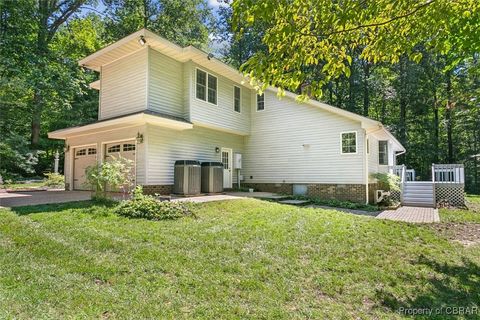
<point x="397" y="170"/>
<point x="448" y="173"/>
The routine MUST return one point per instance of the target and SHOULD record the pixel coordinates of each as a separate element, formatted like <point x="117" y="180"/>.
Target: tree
<point x="185" y="22"/>
<point x="304" y="33"/>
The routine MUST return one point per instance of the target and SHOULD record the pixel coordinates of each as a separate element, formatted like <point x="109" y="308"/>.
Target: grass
<point x="339" y="203"/>
<point x="468" y="215"/>
<point x="238" y="259"/>
<point x="29" y="185"/>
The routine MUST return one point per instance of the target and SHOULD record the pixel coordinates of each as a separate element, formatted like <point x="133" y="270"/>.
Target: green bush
<point x="54" y="180"/>
<point x="338" y="203"/>
<point x="116" y="173"/>
<point x="148" y="207"/>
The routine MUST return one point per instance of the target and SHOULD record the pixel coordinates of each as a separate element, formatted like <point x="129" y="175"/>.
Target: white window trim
<point x="239" y="88"/>
<point x="206" y="87"/>
<point x="256" y="102"/>
<point x="341" y="143"/>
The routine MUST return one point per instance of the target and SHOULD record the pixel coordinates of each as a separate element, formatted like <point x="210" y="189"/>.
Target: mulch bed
<point x="466" y="233"/>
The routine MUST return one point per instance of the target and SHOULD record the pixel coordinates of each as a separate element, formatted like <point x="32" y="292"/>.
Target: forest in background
<point x="428" y="101"/>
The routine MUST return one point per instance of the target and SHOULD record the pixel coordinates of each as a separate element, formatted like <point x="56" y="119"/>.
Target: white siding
<point x="275" y="150"/>
<point x="166" y="93"/>
<point x="221" y="116"/>
<point x="124" y="86"/>
<point x="165" y="146"/>
<point x="373" y="166"/>
<point x="108" y="136"/>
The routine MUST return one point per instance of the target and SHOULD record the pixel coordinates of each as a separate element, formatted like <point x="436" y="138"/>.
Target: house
<point x="160" y="102"/>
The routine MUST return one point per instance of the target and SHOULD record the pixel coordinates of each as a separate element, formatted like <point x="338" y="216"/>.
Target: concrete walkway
<point x="27" y="198"/>
<point x="411" y="214"/>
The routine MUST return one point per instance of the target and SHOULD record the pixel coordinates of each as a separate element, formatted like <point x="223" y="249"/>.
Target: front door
<point x="227" y="167"/>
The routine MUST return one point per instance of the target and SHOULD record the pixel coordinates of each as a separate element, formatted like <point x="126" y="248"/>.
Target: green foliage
<point x="387" y="181"/>
<point x="54" y="180"/>
<point x="16" y="160"/>
<point x="110" y="175"/>
<point x="302" y="35"/>
<point x="148" y="207"/>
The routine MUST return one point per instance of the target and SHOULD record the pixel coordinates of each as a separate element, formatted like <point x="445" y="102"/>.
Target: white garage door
<point x="125" y="149"/>
<point x="83" y="157"/>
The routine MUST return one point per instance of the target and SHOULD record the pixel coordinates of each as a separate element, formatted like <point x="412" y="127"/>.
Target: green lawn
<point x="237" y="259"/>
<point x="470" y="215"/>
<point x="30" y="185"/>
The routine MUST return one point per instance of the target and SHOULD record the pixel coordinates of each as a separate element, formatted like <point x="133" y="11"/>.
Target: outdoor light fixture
<point x="66" y="148"/>
<point x="142" y="40"/>
<point x="139" y="137"/>
<point x="217" y="149"/>
<point x="210" y="56"/>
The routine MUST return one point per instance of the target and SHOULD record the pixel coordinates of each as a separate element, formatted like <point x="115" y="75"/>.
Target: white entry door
<point x="83" y="157"/>
<point x="227" y="167"/>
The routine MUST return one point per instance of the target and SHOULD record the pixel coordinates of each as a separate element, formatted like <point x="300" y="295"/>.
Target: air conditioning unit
<point x="187" y="177"/>
<point x="380" y="195"/>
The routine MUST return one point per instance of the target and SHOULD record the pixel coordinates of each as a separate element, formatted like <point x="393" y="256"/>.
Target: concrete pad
<point x="411" y="214"/>
<point x="18" y="199"/>
<point x="258" y="195"/>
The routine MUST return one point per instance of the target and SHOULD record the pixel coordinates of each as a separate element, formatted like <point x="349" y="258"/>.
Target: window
<point x="206" y="87"/>
<point x="212" y="89"/>
<point x="349" y="142"/>
<point x="115" y="148"/>
<point x="236" y="98"/>
<point x="383" y="152"/>
<point x="92" y="151"/>
<point x="128" y="147"/>
<point x="81" y="152"/>
<point x="260" y="102"/>
<point x="201" y="85"/>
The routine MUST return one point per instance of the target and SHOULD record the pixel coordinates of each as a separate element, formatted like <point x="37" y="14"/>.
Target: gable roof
<point x="131" y="44"/>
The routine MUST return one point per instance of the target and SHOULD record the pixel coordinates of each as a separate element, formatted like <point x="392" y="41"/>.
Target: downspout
<point x="366" y="166"/>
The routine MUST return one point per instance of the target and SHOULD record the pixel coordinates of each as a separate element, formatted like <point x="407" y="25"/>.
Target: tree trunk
<point x="403" y="102"/>
<point x="366" y="93"/>
<point x="449" y="118"/>
<point x="436" y="133"/>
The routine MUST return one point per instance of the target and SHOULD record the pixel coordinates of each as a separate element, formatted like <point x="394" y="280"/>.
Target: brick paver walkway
<point x="411" y="214"/>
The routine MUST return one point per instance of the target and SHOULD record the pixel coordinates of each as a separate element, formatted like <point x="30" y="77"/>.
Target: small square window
<point x="115" y="148"/>
<point x="128" y="147"/>
<point x="236" y="98"/>
<point x="349" y="142"/>
<point x="260" y="102"/>
<point x="81" y="152"/>
<point x="92" y="151"/>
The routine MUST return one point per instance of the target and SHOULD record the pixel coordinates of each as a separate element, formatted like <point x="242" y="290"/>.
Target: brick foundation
<point x="283" y="188"/>
<point x="158" y="189"/>
<point x="348" y="192"/>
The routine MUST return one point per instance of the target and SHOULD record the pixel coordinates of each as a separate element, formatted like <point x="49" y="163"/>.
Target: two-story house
<point x="160" y="102"/>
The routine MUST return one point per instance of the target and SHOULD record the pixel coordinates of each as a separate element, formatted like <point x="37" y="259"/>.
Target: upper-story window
<point x="236" y="98"/>
<point x="349" y="142"/>
<point x="383" y="152"/>
<point x="260" y="102"/>
<point x="206" y="88"/>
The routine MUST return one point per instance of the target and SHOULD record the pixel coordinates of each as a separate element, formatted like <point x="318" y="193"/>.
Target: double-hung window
<point x="206" y="86"/>
<point x="349" y="142"/>
<point x="260" y="102"/>
<point x="383" y="152"/>
<point x="236" y="98"/>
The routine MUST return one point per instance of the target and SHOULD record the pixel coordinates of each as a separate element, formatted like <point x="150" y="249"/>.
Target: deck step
<point x="419" y="194"/>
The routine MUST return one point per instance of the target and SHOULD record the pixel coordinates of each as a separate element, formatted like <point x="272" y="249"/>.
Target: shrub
<point x="54" y="180"/>
<point x="148" y="207"/>
<point x="114" y="173"/>
<point x="387" y="181"/>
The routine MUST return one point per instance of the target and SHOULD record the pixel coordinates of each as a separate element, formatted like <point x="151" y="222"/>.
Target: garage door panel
<point x="125" y="149"/>
<point x="84" y="157"/>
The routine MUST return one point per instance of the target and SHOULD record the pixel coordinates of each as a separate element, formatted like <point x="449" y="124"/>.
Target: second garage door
<point x="125" y="149"/>
<point x="84" y="157"/>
